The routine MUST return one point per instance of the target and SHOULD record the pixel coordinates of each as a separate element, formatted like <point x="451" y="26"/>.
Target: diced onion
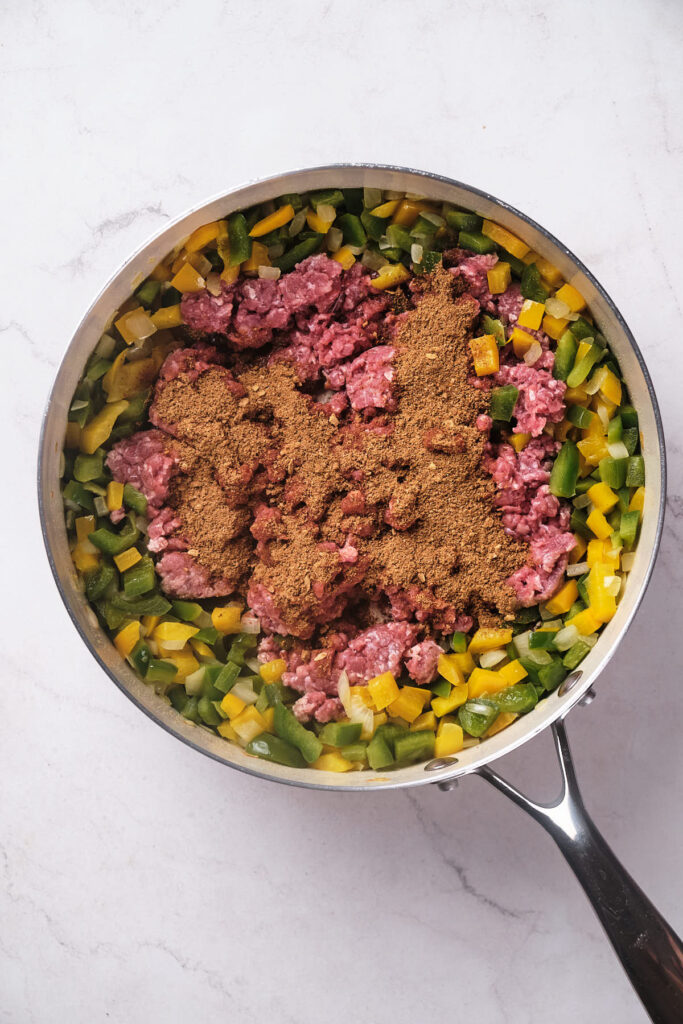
<point x="566" y="638"/>
<point x="250" y="624"/>
<point x="193" y="682"/>
<point x="545" y="614"/>
<point x="612" y="585"/>
<point x="581" y="501"/>
<point x="577" y="569"/>
<point x="603" y="414"/>
<point x="344" y="691"/>
<point x="416" y="252"/>
<point x="101" y="506"/>
<point x="591" y="639"/>
<point x="372" y="260"/>
<point x="334" y="239"/>
<point x="78" y="404"/>
<point x="521" y="642"/>
<point x="139" y="325"/>
<point x="200" y="263"/>
<point x="384" y="243"/>
<point x="490" y="658"/>
<point x="245" y="691"/>
<point x="533" y="353"/>
<point x="538" y="657"/>
<point x="269" y="273"/>
<point x="627" y="561"/>
<point x="213" y="283"/>
<point x="592" y="386"/>
<point x="297" y="222"/>
<point x="326" y="212"/>
<point x="105" y="346"/>
<point x="141" y="523"/>
<point x="618" y="450"/>
<point x="372" y="197"/>
<point x="557" y="308"/>
<point x="433" y="218"/>
<point x="390" y="194"/>
<point x="254" y="664"/>
<point x="355" y="250"/>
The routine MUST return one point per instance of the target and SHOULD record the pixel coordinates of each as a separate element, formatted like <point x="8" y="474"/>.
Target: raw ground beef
<point x="541" y="397"/>
<point x="422" y="660"/>
<point x="377" y="650"/>
<point x="473" y="271"/>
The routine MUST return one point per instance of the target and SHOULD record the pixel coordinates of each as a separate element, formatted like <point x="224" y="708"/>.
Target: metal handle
<point x="650" y="951"/>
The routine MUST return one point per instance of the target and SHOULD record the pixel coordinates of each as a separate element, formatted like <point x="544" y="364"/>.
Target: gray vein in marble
<point x="39" y="354"/>
<point x="111" y="226"/>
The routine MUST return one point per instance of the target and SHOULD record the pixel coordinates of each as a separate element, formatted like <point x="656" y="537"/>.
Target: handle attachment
<point x="650" y="951"/>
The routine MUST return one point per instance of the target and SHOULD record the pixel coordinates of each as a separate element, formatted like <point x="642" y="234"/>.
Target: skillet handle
<point x="650" y="951"/>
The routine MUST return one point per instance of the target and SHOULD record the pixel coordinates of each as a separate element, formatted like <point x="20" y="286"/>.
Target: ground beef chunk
<point x="421" y="661"/>
<point x="210" y="313"/>
<point x="319" y="706"/>
<point x="541" y="397"/>
<point x="376" y="650"/>
<point x="473" y="271"/>
<point x="369" y="379"/>
<point x="182" y="576"/>
<point x="148" y="462"/>
<point x="315" y="283"/>
<point x="509" y="304"/>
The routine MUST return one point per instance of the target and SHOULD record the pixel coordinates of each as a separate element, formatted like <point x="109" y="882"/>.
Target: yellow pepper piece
<point x="593" y="449"/>
<point x="114" y="495"/>
<point x="571" y="297"/>
<point x="449" y="739"/>
<point x="513" y="672"/>
<point x="268" y="717"/>
<point x="548" y="271"/>
<point x="601" y="551"/>
<point x="364" y="694"/>
<point x="407" y="212"/>
<point x="230" y="274"/>
<point x="128" y="379"/>
<point x="485" y="680"/>
<point x="184" y="661"/>
<point x="272" y="671"/>
<point x="274" y="220"/>
<point x="84" y="560"/>
<point x="100" y="427"/>
<point x="73" y="435"/>
<point x="188" y="280"/>
<point x="602" y="496"/>
<point x="554" y="326"/>
<point x="161" y="272"/>
<point x="345" y="257"/>
<point x="520" y="441"/>
<point x="498" y="278"/>
<point x="444" y="705"/>
<point x="200" y="238"/>
<point x="531" y="314"/>
<point x="586" y="622"/>
<point x="173" y="636"/>
<point x="582" y="350"/>
<point x="84" y="526"/>
<point x="503" y="237"/>
<point x="637" y="502"/>
<point x="601" y="603"/>
<point x="611" y="387"/>
<point x="410" y="703"/>
<point x="485" y="355"/>
<point x="248" y="724"/>
<point x="425" y="721"/>
<point x="449" y="669"/>
<point x="380" y="719"/>
<point x="258" y="258"/>
<point x="227" y="619"/>
<point x="504" y="719"/>
<point x="135" y="325"/>
<point x="384" y="690"/>
<point x="168" y="316"/>
<point x="579" y="548"/>
<point x="576" y="396"/>
<point x="464" y="661"/>
<point x="149" y="623"/>
<point x="232" y="705"/>
<point x="316" y="223"/>
<point x="521" y="341"/>
<point x="387" y="209"/>
<point x="561" y="602"/>
<point x="225" y="730"/>
<point x="126" y="559"/>
<point x="201" y="649"/>
<point x="332" y="762"/>
<point x="489" y="640"/>
<point x="390" y="276"/>
<point x="598" y="524"/>
<point x="126" y="639"/>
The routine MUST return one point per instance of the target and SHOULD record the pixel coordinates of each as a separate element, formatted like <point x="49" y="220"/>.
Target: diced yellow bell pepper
<point x="503" y="237"/>
<point x="602" y="496"/>
<point x="135" y="325"/>
<point x="637" y="502"/>
<point x="248" y="724"/>
<point x="127" y="379"/>
<point x="173" y="636"/>
<point x="485" y="680"/>
<point x="561" y="602"/>
<point x="167" y="317"/>
<point x="230" y="274"/>
<point x="601" y="603"/>
<point x="576" y="396"/>
<point x="504" y="719"/>
<point x="114" y="495"/>
<point x="407" y="212"/>
<point x="390" y="276"/>
<point x="604" y="410"/>
<point x="271" y="671"/>
<point x="548" y="271"/>
<point x="531" y="314"/>
<point x="521" y="341"/>
<point x="161" y="272"/>
<point x="85" y="560"/>
<point x="449" y="669"/>
<point x="274" y="220"/>
<point x="513" y="672"/>
<point x="126" y="639"/>
<point x="387" y="209"/>
<point x="554" y="326"/>
<point x="232" y="705"/>
<point x="227" y="619"/>
<point x="201" y="649"/>
<point x="586" y="622"/>
<point x="126" y="559"/>
<point x="579" y="548"/>
<point x="530" y="257"/>
<point x="611" y="387"/>
<point x="258" y="258"/>
<point x="84" y="527"/>
<point x="583" y="349"/>
<point x="332" y="762"/>
<point x="383" y="690"/>
<point x="316" y="223"/>
<point x="345" y="257"/>
<point x="593" y="449"/>
<point x="95" y="433"/>
<point x="519" y="441"/>
<point x="268" y="717"/>
<point x="449" y="739"/>
<point x="381" y="719"/>
<point x="410" y="703"/>
<point x="73" y="435"/>
<point x="486" y="639"/>
<point x="601" y="551"/>
<point x="364" y="694"/>
<point x="201" y="237"/>
<point x="595" y="428"/>
<point x="598" y="524"/>
<point x="425" y="721"/>
<point x="188" y="280"/>
<point x="225" y="730"/>
<point x="149" y="623"/>
<point x="498" y="278"/>
<point x="464" y="661"/>
<point x="444" y="705"/>
<point x="571" y="297"/>
<point x="485" y="355"/>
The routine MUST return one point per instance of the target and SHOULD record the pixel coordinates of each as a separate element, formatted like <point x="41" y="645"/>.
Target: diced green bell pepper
<point x="352" y="229"/>
<point x="207" y="712"/>
<point x="494" y="327"/>
<point x="76" y="494"/>
<point x="550" y="676"/>
<point x="97" y="581"/>
<point x="300" y="252"/>
<point x="475" y="716"/>
<point x="115" y="543"/>
<point x="631" y="439"/>
<point x="140" y="657"/>
<point x="459" y="642"/>
<point x="326" y="197"/>
<point x="188" y="611"/>
<point x="140" y="578"/>
<point x="635" y="471"/>
<point x="227" y="677"/>
<point x="160" y="671"/>
<point x="584" y="366"/>
<point x="355" y="751"/>
<point x="440" y="687"/>
<point x="565" y="471"/>
<point x="503" y="402"/>
<point x="148" y="604"/>
<point x="378" y="753"/>
<point x="628" y="527"/>
<point x="415" y="746"/>
<point x="207" y="635"/>
<point x="238" y="239"/>
<point x="580" y="416"/>
<point x="582" y="329"/>
<point x="575" y="655"/>
<point x="518" y="699"/>
<point x="191" y="710"/>
<point x="565" y="355"/>
<point x="374" y="226"/>
<point x="339" y="734"/>
<point x="134" y="500"/>
<point x="461" y="221"/>
<point x="88" y="467"/>
<point x="531" y="284"/>
<point x="148" y="292"/>
<point x="613" y="471"/>
<point x="615" y="429"/>
<point x="474" y="241"/>
<point x="273" y="748"/>
<point x="542" y="640"/>
<point x="289" y="729"/>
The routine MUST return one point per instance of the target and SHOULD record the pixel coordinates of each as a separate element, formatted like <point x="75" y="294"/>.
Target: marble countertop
<point x="141" y="881"/>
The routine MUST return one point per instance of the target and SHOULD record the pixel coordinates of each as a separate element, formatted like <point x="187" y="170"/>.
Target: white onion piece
<point x="521" y="642"/>
<point x="490" y="658"/>
<point x="618" y="450"/>
<point x="372" y="197"/>
<point x="581" y="501"/>
<point x="577" y="569"/>
<point x="245" y="691"/>
<point x="390" y="194"/>
<point x="193" y="682"/>
<point x="533" y="353"/>
<point x="592" y="386"/>
<point x="254" y="664"/>
<point x="326" y="212"/>
<point x="297" y="222"/>
<point x="384" y="243"/>
<point x="343" y="691"/>
<point x="566" y="638"/>
<point x="141" y="523"/>
<point x="334" y="239"/>
<point x="105" y="346"/>
<point x="416" y="252"/>
<point x="545" y="614"/>
<point x="269" y="273"/>
<point x="603" y="415"/>
<point x="372" y="260"/>
<point x="213" y="283"/>
<point x="433" y="218"/>
<point x="200" y="263"/>
<point x="355" y="250"/>
<point x="612" y="585"/>
<point x="140" y="325"/>
<point x="627" y="561"/>
<point x="153" y="646"/>
<point x="591" y="639"/>
<point x="469" y="741"/>
<point x="250" y="624"/>
<point x="101" y="506"/>
<point x="557" y="308"/>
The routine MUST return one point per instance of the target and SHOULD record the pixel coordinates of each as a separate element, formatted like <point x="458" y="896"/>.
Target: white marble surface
<point x="140" y="881"/>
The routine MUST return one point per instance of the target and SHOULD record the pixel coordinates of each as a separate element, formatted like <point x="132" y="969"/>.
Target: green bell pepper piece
<point x="474" y="241"/>
<point x="77" y="494"/>
<point x="503" y="402"/>
<point x="475" y="716"/>
<point x="565" y="354"/>
<point x="565" y="471"/>
<point x="531" y="284"/>
<point x="582" y="329"/>
<point x="355" y="751"/>
<point x="415" y="746"/>
<point x="134" y="500"/>
<point x="459" y="642"/>
<point x="148" y="292"/>
<point x="613" y="472"/>
<point x="494" y="327"/>
<point x="440" y="687"/>
<point x="579" y="373"/>
<point x="239" y="240"/>
<point x="635" y="471"/>
<point x="550" y="676"/>
<point x="628" y="527"/>
<point x="542" y="640"/>
<point x="305" y="248"/>
<point x="339" y="734"/>
<point x="519" y="699"/>
<point x="148" y="604"/>
<point x="461" y="221"/>
<point x="140" y="657"/>
<point x="352" y="229"/>
<point x="160" y="671"/>
<point x="115" y="543"/>
<point x="289" y="729"/>
<point x="140" y="578"/>
<point x="207" y="712"/>
<point x="580" y="416"/>
<point x="227" y="677"/>
<point x="273" y="748"/>
<point x="97" y="581"/>
<point x="188" y="611"/>
<point x="575" y="655"/>
<point x="374" y="226"/>
<point x="378" y="753"/>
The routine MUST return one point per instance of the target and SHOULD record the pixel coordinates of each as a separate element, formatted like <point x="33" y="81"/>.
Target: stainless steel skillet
<point x="649" y="950"/>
